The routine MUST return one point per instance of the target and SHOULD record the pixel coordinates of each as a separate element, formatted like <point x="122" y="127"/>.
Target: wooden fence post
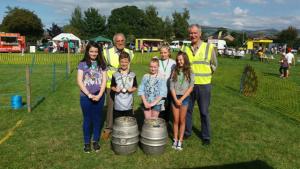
<point x="28" y="89"/>
<point x="68" y="62"/>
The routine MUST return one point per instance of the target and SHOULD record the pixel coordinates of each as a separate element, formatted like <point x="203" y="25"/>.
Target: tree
<point x="128" y="20"/>
<point x="288" y="36"/>
<point x="23" y="21"/>
<point x="154" y="24"/>
<point x="70" y="29"/>
<point x="54" y="30"/>
<point x="180" y="24"/>
<point x="168" y="29"/>
<point x="94" y="23"/>
<point x="76" y="23"/>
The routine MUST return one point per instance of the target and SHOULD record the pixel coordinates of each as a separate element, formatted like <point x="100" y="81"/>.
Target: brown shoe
<point x="105" y="135"/>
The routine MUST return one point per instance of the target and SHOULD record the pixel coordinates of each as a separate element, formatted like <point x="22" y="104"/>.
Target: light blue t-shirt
<point x="153" y="87"/>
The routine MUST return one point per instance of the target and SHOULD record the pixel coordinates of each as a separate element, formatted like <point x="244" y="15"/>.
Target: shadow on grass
<point x="256" y="164"/>
<point x="270" y="74"/>
<point x="235" y="90"/>
<point x="37" y="102"/>
<point x="197" y="132"/>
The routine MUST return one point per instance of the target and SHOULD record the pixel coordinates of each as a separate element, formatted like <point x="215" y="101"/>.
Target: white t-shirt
<point x="289" y="56"/>
<point x="166" y="67"/>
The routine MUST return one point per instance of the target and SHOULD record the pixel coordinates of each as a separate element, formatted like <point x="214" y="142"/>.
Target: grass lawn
<point x="247" y="132"/>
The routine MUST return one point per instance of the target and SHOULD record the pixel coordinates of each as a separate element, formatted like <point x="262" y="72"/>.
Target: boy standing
<point x="123" y="85"/>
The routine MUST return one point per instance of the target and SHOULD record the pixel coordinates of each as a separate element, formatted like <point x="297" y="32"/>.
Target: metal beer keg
<point x="154" y="136"/>
<point x="125" y="135"/>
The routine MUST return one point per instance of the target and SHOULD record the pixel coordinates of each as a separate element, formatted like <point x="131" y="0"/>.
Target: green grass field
<point x="247" y="132"/>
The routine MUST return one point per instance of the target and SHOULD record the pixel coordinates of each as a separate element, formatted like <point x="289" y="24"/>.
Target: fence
<point x="45" y="71"/>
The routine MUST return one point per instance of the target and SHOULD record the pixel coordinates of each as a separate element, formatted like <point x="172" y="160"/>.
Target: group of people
<point x="169" y="86"/>
<point x="286" y="61"/>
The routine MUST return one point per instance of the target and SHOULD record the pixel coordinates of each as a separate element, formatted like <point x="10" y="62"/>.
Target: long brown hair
<point x="100" y="59"/>
<point x="186" y="69"/>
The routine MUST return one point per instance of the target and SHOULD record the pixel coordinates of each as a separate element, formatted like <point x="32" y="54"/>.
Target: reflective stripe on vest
<point x="201" y="62"/>
<point x="202" y="74"/>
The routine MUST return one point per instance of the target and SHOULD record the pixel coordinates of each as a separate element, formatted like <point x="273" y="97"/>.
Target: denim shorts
<point x="156" y="108"/>
<point x="185" y="102"/>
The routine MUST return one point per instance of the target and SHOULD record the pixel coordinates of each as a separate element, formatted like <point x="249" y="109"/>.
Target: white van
<point x="175" y="45"/>
<point x="220" y="44"/>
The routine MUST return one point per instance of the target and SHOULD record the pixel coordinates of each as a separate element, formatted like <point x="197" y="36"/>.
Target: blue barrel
<point x="16" y="102"/>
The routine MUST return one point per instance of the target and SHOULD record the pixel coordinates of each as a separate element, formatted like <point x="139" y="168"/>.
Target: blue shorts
<point x="185" y="102"/>
<point x="156" y="108"/>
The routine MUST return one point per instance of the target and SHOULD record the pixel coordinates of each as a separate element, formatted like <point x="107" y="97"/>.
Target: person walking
<point x="112" y="58"/>
<point x="202" y="57"/>
<point x="290" y="59"/>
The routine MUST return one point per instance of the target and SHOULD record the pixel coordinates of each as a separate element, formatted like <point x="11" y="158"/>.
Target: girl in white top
<point x="166" y="65"/>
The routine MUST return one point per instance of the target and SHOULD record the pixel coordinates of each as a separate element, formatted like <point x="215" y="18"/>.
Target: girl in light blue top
<point x="152" y="89"/>
<point x="181" y="86"/>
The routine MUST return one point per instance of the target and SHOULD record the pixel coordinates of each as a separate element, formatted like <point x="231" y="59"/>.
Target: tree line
<point x="130" y="20"/>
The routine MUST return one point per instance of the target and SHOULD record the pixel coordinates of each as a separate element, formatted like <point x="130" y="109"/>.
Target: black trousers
<point x="117" y="113"/>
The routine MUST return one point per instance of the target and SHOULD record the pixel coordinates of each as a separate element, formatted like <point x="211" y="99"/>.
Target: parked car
<point x="50" y="46"/>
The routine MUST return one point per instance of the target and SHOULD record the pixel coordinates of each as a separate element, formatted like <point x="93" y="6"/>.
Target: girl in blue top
<point x="152" y="89"/>
<point x="91" y="79"/>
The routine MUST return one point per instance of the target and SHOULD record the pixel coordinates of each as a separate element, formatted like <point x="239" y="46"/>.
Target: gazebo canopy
<point x="101" y="39"/>
<point x="66" y="36"/>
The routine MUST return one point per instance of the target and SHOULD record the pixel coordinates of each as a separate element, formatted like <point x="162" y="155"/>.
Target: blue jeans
<point x="201" y="94"/>
<point x="92" y="118"/>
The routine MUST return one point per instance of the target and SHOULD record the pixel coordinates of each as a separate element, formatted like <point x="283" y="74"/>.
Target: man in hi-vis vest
<point x="202" y="57"/>
<point x="112" y="58"/>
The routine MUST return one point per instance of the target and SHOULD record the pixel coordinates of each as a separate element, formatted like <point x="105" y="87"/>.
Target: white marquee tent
<point x="66" y="36"/>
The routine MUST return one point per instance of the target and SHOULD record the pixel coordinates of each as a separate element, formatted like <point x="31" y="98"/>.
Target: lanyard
<point x="126" y="78"/>
<point x="181" y="78"/>
<point x="164" y="68"/>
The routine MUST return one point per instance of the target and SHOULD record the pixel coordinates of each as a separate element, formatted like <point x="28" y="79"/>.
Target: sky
<point x="232" y="14"/>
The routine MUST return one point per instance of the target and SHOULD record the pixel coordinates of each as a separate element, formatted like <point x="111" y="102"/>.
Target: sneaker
<point x="206" y="142"/>
<point x="87" y="148"/>
<point x="174" y="145"/>
<point x="96" y="146"/>
<point x="179" y="146"/>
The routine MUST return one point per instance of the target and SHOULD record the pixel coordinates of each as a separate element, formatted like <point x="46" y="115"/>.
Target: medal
<point x="124" y="82"/>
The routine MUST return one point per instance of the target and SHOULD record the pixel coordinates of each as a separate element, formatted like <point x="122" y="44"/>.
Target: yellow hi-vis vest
<point x="200" y="62"/>
<point x="112" y="59"/>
